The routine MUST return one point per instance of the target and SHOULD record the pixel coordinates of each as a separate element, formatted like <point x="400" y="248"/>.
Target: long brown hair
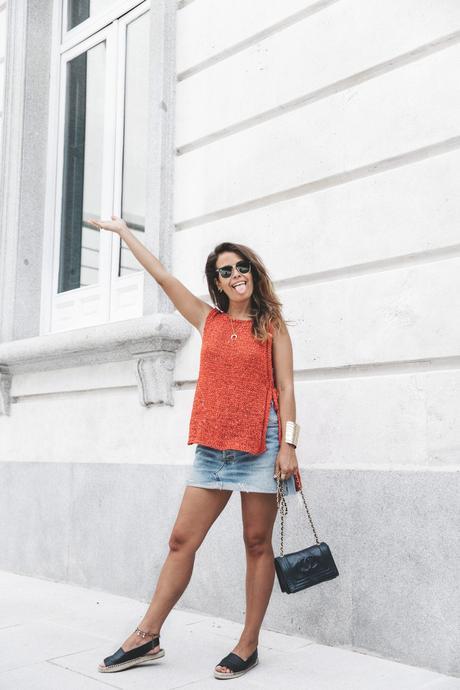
<point x="265" y="306"/>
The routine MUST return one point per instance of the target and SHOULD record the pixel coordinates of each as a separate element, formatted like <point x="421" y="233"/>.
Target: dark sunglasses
<point x="243" y="266"/>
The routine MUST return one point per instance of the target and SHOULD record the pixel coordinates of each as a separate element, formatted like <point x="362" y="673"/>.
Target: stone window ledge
<point x="151" y="340"/>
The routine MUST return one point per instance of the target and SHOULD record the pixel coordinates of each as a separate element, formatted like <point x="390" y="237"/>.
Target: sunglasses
<point x="243" y="266"/>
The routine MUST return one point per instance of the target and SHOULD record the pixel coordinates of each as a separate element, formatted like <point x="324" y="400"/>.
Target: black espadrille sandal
<point x="237" y="665"/>
<point x="121" y="660"/>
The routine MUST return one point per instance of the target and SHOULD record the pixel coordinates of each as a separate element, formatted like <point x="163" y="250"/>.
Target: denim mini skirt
<point x="237" y="470"/>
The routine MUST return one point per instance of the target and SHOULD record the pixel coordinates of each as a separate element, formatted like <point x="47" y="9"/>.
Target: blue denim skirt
<point x="237" y="470"/>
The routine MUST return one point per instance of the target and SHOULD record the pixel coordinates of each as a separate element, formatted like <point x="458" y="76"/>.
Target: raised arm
<point x="194" y="309"/>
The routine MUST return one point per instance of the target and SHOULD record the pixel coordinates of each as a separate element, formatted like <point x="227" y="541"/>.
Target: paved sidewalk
<point x="53" y="635"/>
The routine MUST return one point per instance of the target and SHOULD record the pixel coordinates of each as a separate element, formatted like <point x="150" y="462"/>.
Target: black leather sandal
<point x="121" y="660"/>
<point x="237" y="665"/>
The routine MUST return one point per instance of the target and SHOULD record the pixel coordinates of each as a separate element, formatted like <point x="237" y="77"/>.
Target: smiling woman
<point x="231" y="264"/>
<point x="243" y="401"/>
<point x="237" y="355"/>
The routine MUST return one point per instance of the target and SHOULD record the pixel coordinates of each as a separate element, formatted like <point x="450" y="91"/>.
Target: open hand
<point x="117" y="225"/>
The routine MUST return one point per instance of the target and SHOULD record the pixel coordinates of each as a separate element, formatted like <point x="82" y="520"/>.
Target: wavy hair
<point x="265" y="308"/>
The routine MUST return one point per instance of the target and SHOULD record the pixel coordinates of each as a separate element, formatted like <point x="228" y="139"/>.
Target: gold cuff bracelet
<point x="292" y="433"/>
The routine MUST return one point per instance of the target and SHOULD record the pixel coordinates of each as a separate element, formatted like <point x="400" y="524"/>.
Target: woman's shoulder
<point x="213" y="312"/>
<point x="210" y="314"/>
<point x="216" y="312"/>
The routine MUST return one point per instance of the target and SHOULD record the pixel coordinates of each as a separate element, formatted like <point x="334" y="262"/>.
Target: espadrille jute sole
<point x="132" y="662"/>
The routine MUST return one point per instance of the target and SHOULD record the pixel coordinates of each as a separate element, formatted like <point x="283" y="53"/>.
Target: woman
<point x="237" y="420"/>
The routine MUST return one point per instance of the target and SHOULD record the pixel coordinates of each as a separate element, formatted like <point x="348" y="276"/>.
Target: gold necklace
<point x="233" y="335"/>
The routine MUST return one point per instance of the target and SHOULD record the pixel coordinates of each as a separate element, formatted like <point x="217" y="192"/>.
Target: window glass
<point x="135" y="136"/>
<point x="82" y="173"/>
<point x="79" y="10"/>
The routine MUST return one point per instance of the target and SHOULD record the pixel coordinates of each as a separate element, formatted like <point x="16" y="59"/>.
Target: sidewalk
<point x="53" y="635"/>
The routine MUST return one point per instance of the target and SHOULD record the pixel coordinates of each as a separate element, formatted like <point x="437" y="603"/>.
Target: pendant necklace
<point x="233" y="335"/>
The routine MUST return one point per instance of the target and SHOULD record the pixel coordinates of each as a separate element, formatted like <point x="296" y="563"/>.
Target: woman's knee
<point x="181" y="540"/>
<point x="257" y="543"/>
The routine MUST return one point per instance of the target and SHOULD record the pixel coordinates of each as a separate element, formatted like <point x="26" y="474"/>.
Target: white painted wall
<point x="326" y="136"/>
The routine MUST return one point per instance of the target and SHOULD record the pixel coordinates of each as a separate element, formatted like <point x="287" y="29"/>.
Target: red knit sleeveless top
<point x="234" y="389"/>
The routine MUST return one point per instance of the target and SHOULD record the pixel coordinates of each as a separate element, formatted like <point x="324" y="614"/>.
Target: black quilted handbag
<point x="307" y="567"/>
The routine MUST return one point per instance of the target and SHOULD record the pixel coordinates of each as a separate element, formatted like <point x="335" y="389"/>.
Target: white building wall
<point x="325" y="135"/>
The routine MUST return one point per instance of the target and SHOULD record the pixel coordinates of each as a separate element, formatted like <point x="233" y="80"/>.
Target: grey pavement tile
<point x="339" y="670"/>
<point x="189" y="662"/>
<point x="321" y="667"/>
<point x="267" y="638"/>
<point x="24" y="599"/>
<point x="243" y="684"/>
<point x="252" y="681"/>
<point x="188" y="658"/>
<point x="23" y="645"/>
<point x="53" y="635"/>
<point x="443" y="684"/>
<point x="47" y="676"/>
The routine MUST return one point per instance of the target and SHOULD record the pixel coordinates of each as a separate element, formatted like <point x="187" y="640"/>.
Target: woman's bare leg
<point x="259" y="513"/>
<point x="197" y="512"/>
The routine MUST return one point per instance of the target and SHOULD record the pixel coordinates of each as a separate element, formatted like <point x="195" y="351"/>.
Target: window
<point x="79" y="10"/>
<point x="104" y="97"/>
<point x="76" y="12"/>
<point x="82" y="174"/>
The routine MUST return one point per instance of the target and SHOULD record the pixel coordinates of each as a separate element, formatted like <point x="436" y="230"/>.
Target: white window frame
<point x="94" y="22"/>
<point x="114" y="297"/>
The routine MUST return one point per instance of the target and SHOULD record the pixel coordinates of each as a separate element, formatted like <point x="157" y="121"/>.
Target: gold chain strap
<point x="283" y="509"/>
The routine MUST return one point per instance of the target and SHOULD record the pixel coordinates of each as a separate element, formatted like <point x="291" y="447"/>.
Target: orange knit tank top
<point x="234" y="390"/>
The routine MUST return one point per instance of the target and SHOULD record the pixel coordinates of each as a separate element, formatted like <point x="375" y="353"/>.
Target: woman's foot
<point x="244" y="650"/>
<point x="136" y="640"/>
